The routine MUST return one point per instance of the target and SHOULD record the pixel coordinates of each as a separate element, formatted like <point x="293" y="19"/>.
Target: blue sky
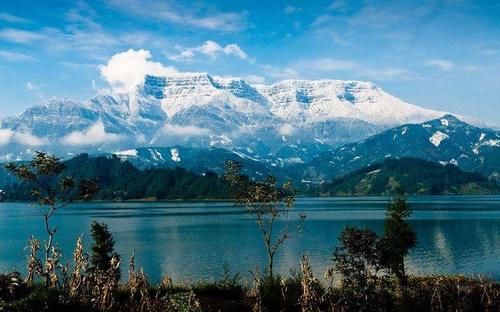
<point x="437" y="54"/>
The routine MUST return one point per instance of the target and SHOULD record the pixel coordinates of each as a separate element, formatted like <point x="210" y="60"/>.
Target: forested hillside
<point x="415" y="176"/>
<point x="120" y="180"/>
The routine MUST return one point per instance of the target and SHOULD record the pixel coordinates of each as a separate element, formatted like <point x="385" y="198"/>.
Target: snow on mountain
<point x="324" y="100"/>
<point x="438" y="137"/>
<point x="293" y="120"/>
<point x="446" y="140"/>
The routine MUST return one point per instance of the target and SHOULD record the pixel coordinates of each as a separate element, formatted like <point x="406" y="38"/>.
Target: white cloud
<point x="322" y="19"/>
<point x="194" y="15"/>
<point x="4" y="16"/>
<point x="488" y="52"/>
<point x="184" y="131"/>
<point x="15" y="56"/>
<point x="30" y="86"/>
<point x="441" y="64"/>
<point x="472" y="68"/>
<point x="94" y="135"/>
<point x="20" y="36"/>
<point x="209" y="48"/>
<point x="338" y="39"/>
<point x="256" y="79"/>
<point x="287" y="129"/>
<point x="21" y="137"/>
<point x="124" y="71"/>
<point x="280" y="73"/>
<point x="290" y="9"/>
<point x="5" y="136"/>
<point x="26" y="138"/>
<point x="389" y="74"/>
<point x="35" y="89"/>
<point x="338" y="5"/>
<point x="328" y="65"/>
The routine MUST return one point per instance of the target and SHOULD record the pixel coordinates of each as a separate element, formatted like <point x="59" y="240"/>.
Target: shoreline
<point x="153" y="200"/>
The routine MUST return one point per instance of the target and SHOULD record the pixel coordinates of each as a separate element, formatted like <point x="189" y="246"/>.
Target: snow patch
<point x="245" y="156"/>
<point x="445" y="122"/>
<point x="437" y="138"/>
<point x="294" y="160"/>
<point x="127" y="153"/>
<point x="482" y="136"/>
<point x="494" y="143"/>
<point x="175" y="154"/>
<point x="404" y="130"/>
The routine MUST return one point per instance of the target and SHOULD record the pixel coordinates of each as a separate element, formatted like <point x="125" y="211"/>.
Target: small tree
<point x="268" y="203"/>
<point x="103" y="247"/>
<point x="51" y="191"/>
<point x="399" y="237"/>
<point x="356" y="260"/>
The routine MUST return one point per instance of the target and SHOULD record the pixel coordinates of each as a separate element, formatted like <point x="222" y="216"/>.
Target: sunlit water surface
<point x="193" y="240"/>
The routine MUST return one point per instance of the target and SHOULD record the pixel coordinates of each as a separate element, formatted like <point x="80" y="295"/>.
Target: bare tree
<point x="268" y="203"/>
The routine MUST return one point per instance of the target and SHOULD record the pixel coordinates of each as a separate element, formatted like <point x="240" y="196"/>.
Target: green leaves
<point x="88" y="188"/>
<point x="49" y="187"/>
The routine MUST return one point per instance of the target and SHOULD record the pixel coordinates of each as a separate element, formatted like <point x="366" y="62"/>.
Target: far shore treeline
<point x="120" y="180"/>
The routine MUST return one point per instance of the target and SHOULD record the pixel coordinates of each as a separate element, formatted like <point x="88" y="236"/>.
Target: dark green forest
<point x="415" y="176"/>
<point x="120" y="180"/>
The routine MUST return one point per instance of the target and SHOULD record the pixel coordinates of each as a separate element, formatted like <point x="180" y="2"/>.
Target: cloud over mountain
<point x="124" y="71"/>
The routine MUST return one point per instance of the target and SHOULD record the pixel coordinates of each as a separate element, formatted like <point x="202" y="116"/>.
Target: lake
<point x="192" y="240"/>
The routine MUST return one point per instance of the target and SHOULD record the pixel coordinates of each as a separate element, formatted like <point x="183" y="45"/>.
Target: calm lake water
<point x="193" y="240"/>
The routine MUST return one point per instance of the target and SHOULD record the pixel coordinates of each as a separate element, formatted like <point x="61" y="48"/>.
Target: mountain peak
<point x="451" y="117"/>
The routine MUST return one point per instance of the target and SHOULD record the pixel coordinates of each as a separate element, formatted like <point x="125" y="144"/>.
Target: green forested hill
<point x="415" y="176"/>
<point x="121" y="180"/>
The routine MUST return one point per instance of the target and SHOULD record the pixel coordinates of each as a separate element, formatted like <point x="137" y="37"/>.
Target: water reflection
<point x="192" y="240"/>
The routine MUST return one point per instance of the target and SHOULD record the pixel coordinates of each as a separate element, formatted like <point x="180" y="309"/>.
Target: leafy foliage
<point x="357" y="262"/>
<point x="399" y="237"/>
<point x="103" y="248"/>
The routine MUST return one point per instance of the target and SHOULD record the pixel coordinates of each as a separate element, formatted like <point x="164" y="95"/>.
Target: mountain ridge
<point x="445" y="140"/>
<point x="305" y="126"/>
<point x="199" y="110"/>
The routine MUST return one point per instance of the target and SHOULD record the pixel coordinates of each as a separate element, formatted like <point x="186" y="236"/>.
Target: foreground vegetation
<point x="87" y="290"/>
<point x="367" y="273"/>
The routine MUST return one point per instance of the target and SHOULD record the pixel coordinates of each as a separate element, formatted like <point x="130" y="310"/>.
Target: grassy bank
<point x="302" y="292"/>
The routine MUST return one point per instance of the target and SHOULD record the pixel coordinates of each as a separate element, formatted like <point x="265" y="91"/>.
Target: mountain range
<point x="315" y="129"/>
<point x="290" y="118"/>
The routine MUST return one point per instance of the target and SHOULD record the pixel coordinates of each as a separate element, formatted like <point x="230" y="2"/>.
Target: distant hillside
<point x="446" y="140"/>
<point x="415" y="176"/>
<point x="121" y="180"/>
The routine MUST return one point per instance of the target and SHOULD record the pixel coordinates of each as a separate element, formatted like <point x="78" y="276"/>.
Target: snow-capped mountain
<point x="445" y="140"/>
<point x="293" y="120"/>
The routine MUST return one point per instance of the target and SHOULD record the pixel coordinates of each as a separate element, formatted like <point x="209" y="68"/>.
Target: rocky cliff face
<point x="296" y="119"/>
